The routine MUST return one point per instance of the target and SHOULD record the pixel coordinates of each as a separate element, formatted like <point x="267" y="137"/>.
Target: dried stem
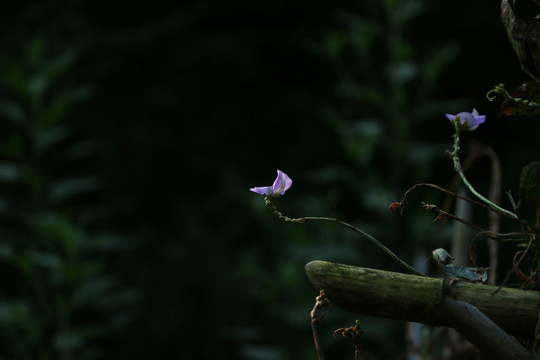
<point x="355" y="334"/>
<point x="404" y="200"/>
<point x="320" y="302"/>
<point x="505" y="237"/>
<point x="516" y="265"/>
<point x="443" y="214"/>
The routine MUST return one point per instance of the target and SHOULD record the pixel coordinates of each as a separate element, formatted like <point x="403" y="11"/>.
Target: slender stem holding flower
<point x="268" y="201"/>
<point x="370" y="238"/>
<point x="459" y="170"/>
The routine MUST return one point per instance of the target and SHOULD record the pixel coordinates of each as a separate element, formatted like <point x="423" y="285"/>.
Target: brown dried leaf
<point x="516" y="29"/>
<point x="533" y="42"/>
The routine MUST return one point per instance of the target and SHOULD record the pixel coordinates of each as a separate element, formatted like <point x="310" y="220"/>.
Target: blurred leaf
<point x="46" y="260"/>
<point x="12" y="76"/>
<point x="36" y="85"/>
<point x="359" y="93"/>
<point x="434" y="66"/>
<point x="12" y="111"/>
<point x="67" y="341"/>
<point x="13" y="148"/>
<point x="58" y="64"/>
<point x="81" y="150"/>
<point x="363" y="32"/>
<point x="529" y="91"/>
<point x="14" y="311"/>
<point x="94" y="290"/>
<point x="35" y="52"/>
<point x="401" y="72"/>
<point x="529" y="183"/>
<point x="404" y="11"/>
<point x="44" y="68"/>
<point x="10" y="172"/>
<point x="60" y="103"/>
<point x="361" y="137"/>
<point x="6" y="251"/>
<point x="261" y="352"/>
<point x="116" y="299"/>
<point x="62" y="190"/>
<point x="108" y="243"/>
<point x="52" y="137"/>
<point x="61" y="231"/>
<point x="333" y="44"/>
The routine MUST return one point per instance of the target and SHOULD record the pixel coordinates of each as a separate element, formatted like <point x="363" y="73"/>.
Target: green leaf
<point x="529" y="182"/>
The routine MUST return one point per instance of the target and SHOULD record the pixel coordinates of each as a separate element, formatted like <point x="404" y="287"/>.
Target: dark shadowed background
<point x="130" y="134"/>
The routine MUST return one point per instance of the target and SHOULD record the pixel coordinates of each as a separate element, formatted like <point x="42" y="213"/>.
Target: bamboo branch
<point x="481" y="331"/>
<point x="414" y="298"/>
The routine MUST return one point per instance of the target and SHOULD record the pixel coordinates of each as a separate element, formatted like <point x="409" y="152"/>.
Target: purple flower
<point x="281" y="184"/>
<point x="468" y="121"/>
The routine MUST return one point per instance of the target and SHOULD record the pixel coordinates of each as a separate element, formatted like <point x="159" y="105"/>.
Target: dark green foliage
<point x="60" y="295"/>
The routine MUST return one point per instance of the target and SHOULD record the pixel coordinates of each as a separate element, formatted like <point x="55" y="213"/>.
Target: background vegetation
<point x="131" y="133"/>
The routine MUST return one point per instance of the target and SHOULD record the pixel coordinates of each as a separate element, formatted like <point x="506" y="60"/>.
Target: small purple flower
<point x="468" y="121"/>
<point x="281" y="184"/>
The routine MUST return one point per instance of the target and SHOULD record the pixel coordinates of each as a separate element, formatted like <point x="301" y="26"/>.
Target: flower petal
<point x="466" y="118"/>
<point x="281" y="184"/>
<point x="468" y="121"/>
<point x="278" y="183"/>
<point x="478" y="121"/>
<point x="262" y="190"/>
<point x="288" y="183"/>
